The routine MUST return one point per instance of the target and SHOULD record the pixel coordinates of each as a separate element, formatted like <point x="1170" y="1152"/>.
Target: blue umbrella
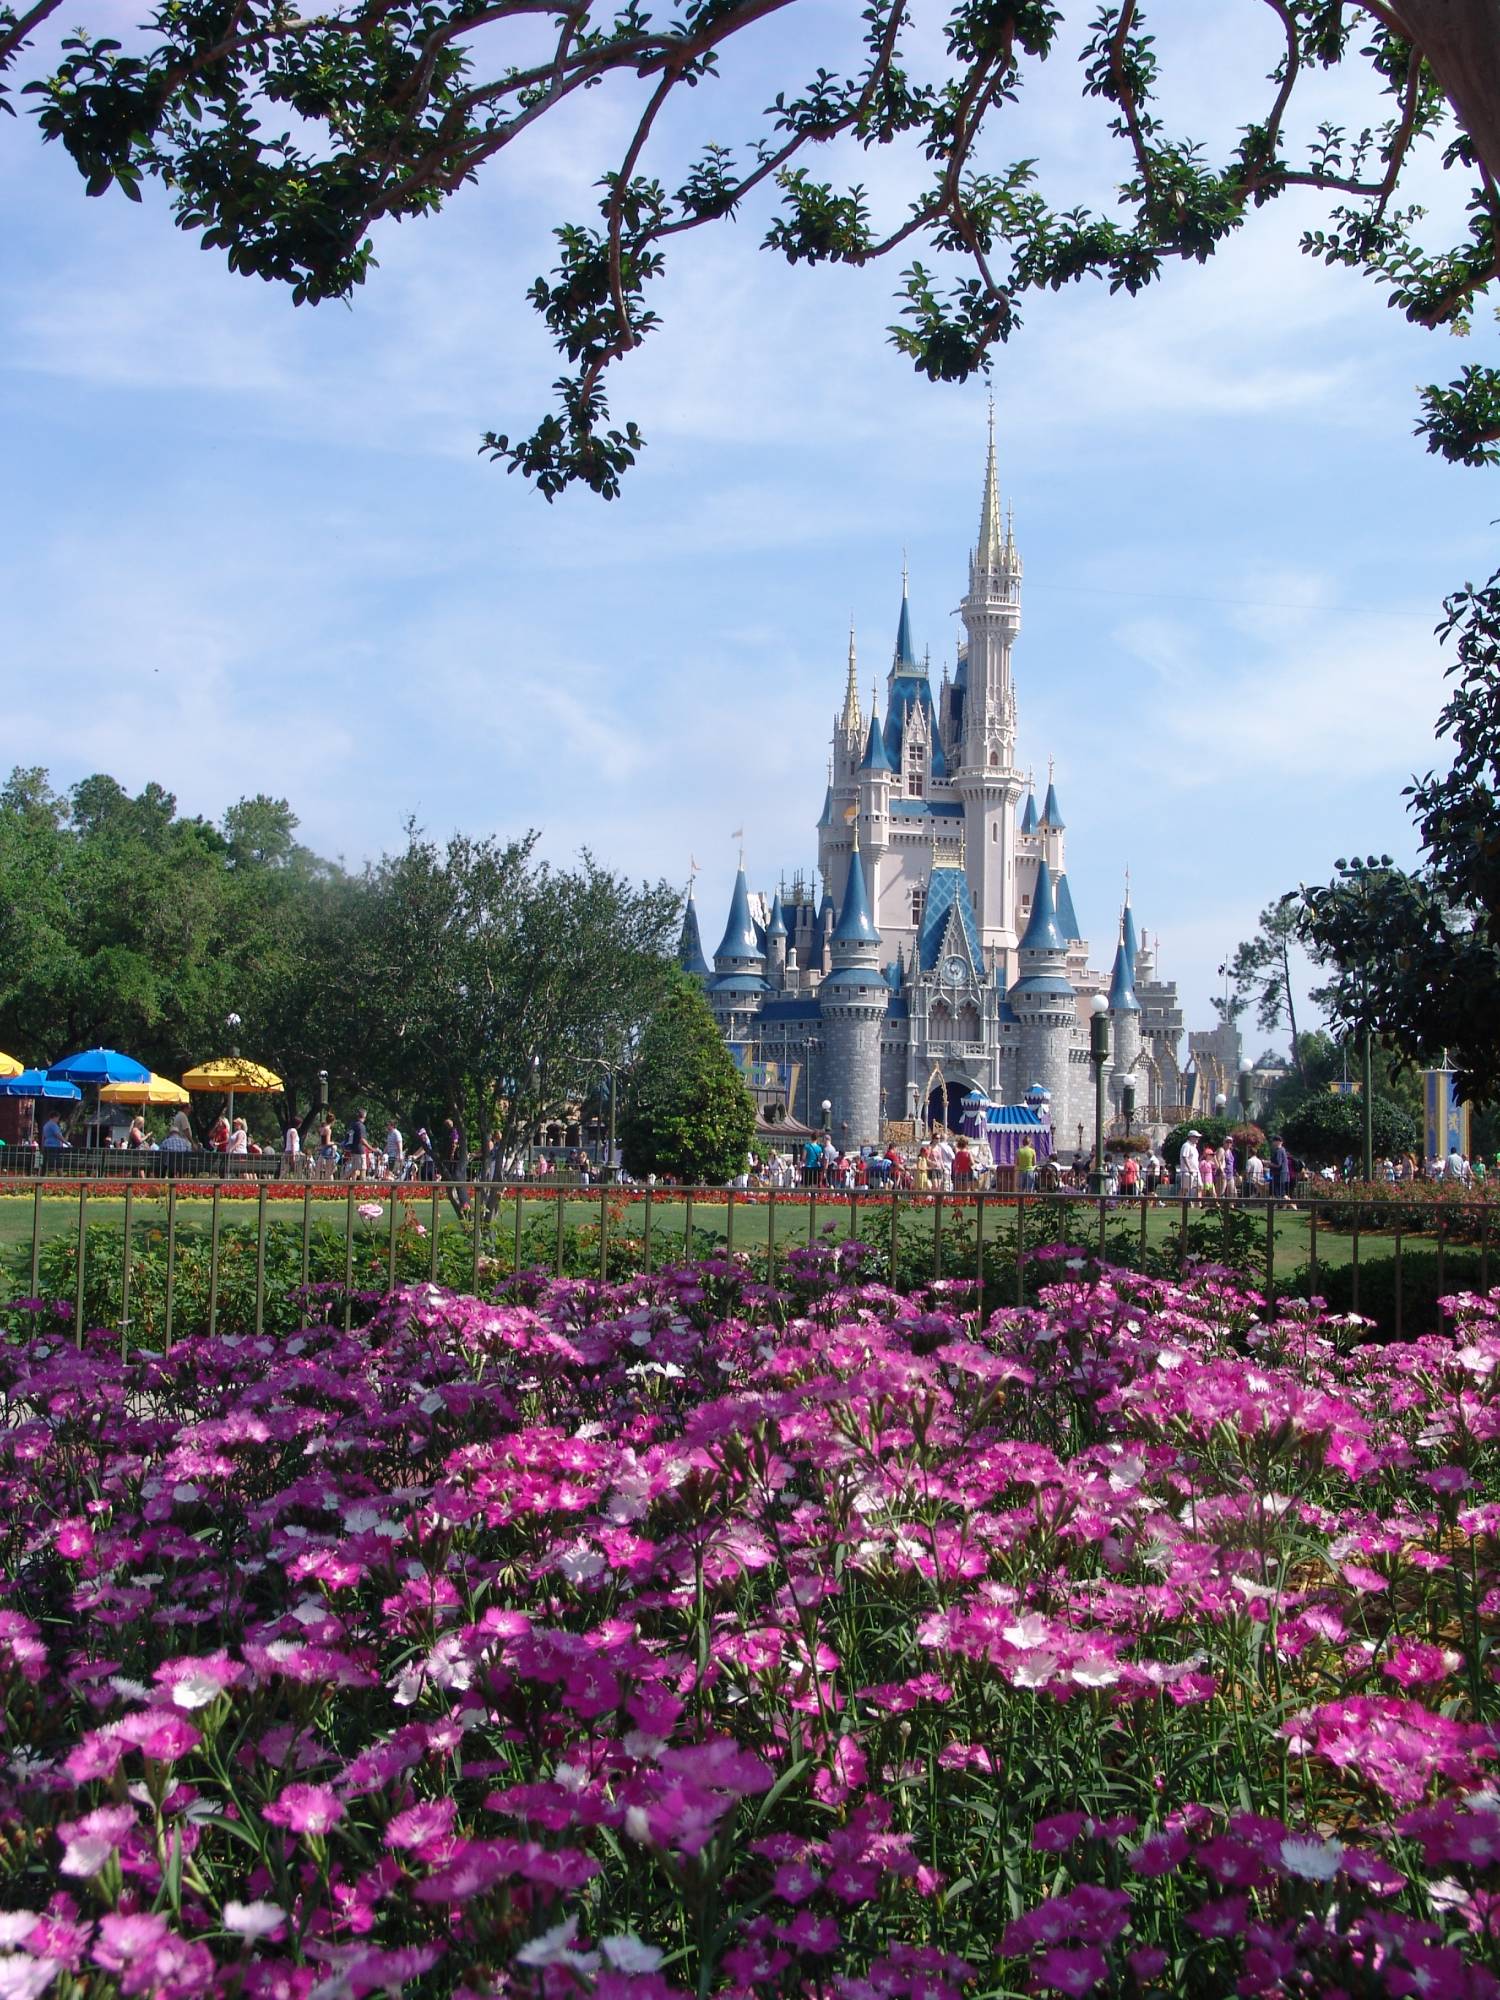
<point x="37" y="1083"/>
<point x="97" y="1067"/>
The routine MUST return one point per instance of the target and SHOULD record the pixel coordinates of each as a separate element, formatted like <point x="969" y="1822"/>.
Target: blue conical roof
<point x="1043" y="932"/>
<point x="690" y="944"/>
<point x="739" y="939"/>
<point x="1028" y="818"/>
<point x="1051" y="810"/>
<point x="1067" y="921"/>
<point x="1127" y="932"/>
<point x="1122" y="998"/>
<point x="856" y="924"/>
<point x="905" y="659"/>
<point x="777" y="926"/>
<point x="877" y="757"/>
<point x="825" y="817"/>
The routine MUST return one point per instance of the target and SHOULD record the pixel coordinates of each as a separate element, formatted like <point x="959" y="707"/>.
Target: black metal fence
<point x="154" y="1259"/>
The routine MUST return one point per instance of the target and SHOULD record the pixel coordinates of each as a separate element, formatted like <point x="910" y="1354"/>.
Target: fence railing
<point x="156" y="1259"/>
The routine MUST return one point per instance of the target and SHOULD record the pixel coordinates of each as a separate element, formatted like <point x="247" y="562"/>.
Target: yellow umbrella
<point x="155" y="1090"/>
<point x="9" y="1066"/>
<point x="236" y="1073"/>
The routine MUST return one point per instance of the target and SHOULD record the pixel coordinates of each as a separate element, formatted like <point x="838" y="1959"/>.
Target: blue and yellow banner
<point x="1445" y="1117"/>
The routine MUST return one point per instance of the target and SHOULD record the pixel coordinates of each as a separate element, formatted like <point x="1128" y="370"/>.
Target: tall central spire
<point x="853" y="720"/>
<point x="991" y="544"/>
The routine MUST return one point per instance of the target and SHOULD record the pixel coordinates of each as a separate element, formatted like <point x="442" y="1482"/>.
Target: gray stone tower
<point x="1124" y="1018"/>
<point x="739" y="988"/>
<point x="1045" y="1003"/>
<point x="853" y="1002"/>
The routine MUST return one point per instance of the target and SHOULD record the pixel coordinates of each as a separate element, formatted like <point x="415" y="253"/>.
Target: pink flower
<point x="1074" y="1971"/>
<point x="795" y="1882"/>
<point x="305" y="1809"/>
<point x="805" y="1932"/>
<point x="1416" y="1663"/>
<point x="1161" y="1853"/>
<point x="422" y="1827"/>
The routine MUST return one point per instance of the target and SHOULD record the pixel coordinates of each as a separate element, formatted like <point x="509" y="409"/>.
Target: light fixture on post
<point x="1247" y="1087"/>
<point x="1127" y="1104"/>
<point x="322" y="1092"/>
<point x="1098" y="1056"/>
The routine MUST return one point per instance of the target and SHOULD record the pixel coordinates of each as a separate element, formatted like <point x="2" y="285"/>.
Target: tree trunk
<point x="1461" y="41"/>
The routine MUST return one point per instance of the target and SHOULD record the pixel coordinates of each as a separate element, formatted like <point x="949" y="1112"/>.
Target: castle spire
<point x="1043" y="932"/>
<point x="853" y="721"/>
<point x="988" y="552"/>
<point x="906" y="659"/>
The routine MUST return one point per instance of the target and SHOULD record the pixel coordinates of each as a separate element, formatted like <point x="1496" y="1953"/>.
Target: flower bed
<point x="687" y="1637"/>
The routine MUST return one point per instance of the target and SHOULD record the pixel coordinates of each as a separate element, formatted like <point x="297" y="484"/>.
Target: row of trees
<point x="463" y="977"/>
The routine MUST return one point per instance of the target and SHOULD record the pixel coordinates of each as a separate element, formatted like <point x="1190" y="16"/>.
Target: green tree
<point x="482" y="981"/>
<point x="686" y="1114"/>
<point x="1261" y="969"/>
<point x="285" y="135"/>
<point x="1417" y="953"/>
<point x="1327" y="1129"/>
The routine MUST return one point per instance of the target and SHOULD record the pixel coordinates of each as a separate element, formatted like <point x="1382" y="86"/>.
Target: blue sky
<point x="245" y="548"/>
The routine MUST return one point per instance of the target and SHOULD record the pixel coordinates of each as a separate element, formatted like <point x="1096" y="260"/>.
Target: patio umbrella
<point x="155" y="1090"/>
<point x="37" y="1083"/>
<point x="9" y="1066"/>
<point x="236" y="1074"/>
<point x="98" y="1067"/>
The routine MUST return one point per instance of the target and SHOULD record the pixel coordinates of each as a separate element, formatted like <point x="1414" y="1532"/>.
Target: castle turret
<point x="690" y="943"/>
<point x="1124" y="1017"/>
<point x="852" y="1002"/>
<point x="739" y="984"/>
<point x="776" y="944"/>
<point x="1044" y="1001"/>
<point x="986" y="778"/>
<point x="1052" y="827"/>
<point x="877" y="777"/>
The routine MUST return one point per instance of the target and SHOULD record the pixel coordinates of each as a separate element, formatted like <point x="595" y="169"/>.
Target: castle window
<point x="994" y="830"/>
<point x="913" y="782"/>
<point x="918" y="906"/>
<point x="994" y="757"/>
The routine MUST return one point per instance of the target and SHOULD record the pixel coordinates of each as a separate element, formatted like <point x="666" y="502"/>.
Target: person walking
<point x="395" y="1151"/>
<point x="291" y="1152"/>
<point x="1281" y="1169"/>
<point x="1026" y="1167"/>
<point x="1189" y="1183"/>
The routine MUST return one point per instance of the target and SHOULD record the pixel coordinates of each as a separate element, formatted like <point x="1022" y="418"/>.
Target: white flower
<point x="253" y="1920"/>
<point x="86" y="1853"/>
<point x="1094" y="1671"/>
<point x="194" y="1689"/>
<point x="16" y="1926"/>
<point x="1314" y="1860"/>
<point x="627" y="1954"/>
<point x="1034" y="1671"/>
<point x="25" y="1978"/>
<point x="555" y="1947"/>
<point x="577" y="1564"/>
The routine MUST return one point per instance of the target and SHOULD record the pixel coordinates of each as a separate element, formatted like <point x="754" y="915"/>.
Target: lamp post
<point x="1127" y="1104"/>
<point x="536" y="1084"/>
<point x="827" y="1108"/>
<point x="1098" y="1056"/>
<point x="231" y="1022"/>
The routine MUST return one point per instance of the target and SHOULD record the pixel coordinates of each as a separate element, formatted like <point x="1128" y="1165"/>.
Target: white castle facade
<point x="944" y="955"/>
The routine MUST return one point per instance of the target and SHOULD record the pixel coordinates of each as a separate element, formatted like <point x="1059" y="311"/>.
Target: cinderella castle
<point x="943" y="958"/>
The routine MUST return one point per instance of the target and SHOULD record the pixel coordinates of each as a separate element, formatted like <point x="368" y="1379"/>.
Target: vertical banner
<point x="1445" y="1119"/>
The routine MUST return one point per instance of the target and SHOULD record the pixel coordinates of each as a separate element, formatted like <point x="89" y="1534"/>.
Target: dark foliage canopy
<point x="286" y="135"/>
<point x="687" y="1116"/>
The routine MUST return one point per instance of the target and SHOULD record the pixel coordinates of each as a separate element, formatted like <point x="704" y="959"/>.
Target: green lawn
<point x="832" y="1213"/>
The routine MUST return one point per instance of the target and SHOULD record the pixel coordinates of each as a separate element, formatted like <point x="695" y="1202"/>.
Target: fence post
<point x="1020" y="1246"/>
<point x="125" y="1273"/>
<point x="1398" y="1283"/>
<point x="1103" y="1205"/>
<point x="349" y="1258"/>
<point x="1182" y="1245"/>
<point x="1141" y="1254"/>
<point x="1312" y="1242"/>
<point x="1484" y="1250"/>
<point x="213" y="1261"/>
<point x="434" y="1224"/>
<point x="687" y="1225"/>
<point x="306" y="1235"/>
<point x="979" y="1258"/>
<point x="390" y="1257"/>
<point x="557" y="1254"/>
<point x="476" y="1216"/>
<point x="1270" y="1249"/>
<point x="603" y="1236"/>
<point x="36" y="1237"/>
<point x="1354" y="1265"/>
<point x="1442" y="1246"/>
<point x="516" y="1259"/>
<point x="895" y="1228"/>
<point x="171" y="1263"/>
<point x="771" y="1237"/>
<point x="851" y="1232"/>
<point x="83" y="1189"/>
<point x="812" y="1214"/>
<point x="646" y="1233"/>
<point x="937" y="1234"/>
<point x="260" y="1262"/>
<point x="729" y="1222"/>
